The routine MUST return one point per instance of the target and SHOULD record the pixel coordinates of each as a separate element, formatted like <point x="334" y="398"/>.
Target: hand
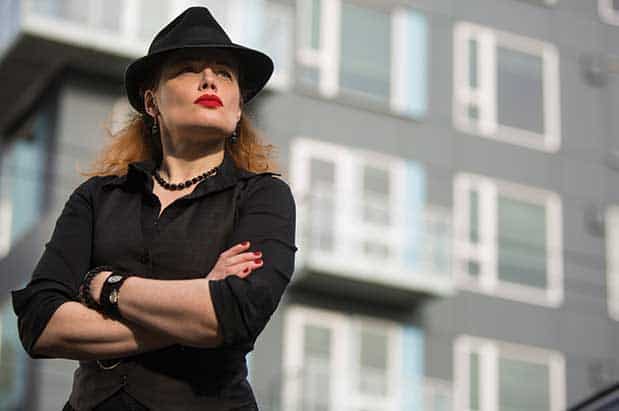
<point x="234" y="261"/>
<point x="96" y="285"/>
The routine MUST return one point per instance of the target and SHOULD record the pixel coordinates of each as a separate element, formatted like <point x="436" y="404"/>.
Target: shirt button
<point x="144" y="258"/>
<point x="123" y="380"/>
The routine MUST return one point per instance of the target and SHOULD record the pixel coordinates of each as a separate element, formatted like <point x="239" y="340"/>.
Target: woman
<point x="167" y="263"/>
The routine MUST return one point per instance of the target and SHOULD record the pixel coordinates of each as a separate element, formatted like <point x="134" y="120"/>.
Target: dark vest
<point x="178" y="377"/>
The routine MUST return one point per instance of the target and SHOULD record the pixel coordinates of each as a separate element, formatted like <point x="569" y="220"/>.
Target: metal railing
<point x="375" y="240"/>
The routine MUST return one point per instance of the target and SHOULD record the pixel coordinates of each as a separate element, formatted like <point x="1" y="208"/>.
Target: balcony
<point x="371" y="255"/>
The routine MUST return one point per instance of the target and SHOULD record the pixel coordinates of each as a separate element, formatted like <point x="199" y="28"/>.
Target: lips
<point x="209" y="100"/>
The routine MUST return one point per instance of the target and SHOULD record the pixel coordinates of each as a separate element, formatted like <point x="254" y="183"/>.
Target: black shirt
<point x="113" y="220"/>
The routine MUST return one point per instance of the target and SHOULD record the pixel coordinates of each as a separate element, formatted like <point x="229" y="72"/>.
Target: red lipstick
<point x="209" y="100"/>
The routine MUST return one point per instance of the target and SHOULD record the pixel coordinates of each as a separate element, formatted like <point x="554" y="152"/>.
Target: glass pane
<point x="154" y="15"/>
<point x="374" y="363"/>
<point x="375" y="250"/>
<point x="308" y="75"/>
<point x="315" y="26"/>
<point x="520" y="99"/>
<point x="522" y="242"/>
<point x="474" y="216"/>
<point x="322" y="197"/>
<point x="474" y="382"/>
<point x="72" y="10"/>
<point x="276" y="38"/>
<point x="316" y="375"/>
<point x="13" y="362"/>
<point x="473" y="50"/>
<point x="111" y="14"/>
<point x="22" y="180"/>
<point x="473" y="111"/>
<point x="376" y="190"/>
<point x="523" y="386"/>
<point x="365" y="62"/>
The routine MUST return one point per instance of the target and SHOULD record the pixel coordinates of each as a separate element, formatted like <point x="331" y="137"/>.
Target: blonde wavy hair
<point x="135" y="142"/>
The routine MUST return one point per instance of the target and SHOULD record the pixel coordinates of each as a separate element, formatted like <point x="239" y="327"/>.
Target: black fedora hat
<point x="196" y="28"/>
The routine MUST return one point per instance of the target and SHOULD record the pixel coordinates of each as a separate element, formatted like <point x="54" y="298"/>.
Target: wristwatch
<point x="110" y="292"/>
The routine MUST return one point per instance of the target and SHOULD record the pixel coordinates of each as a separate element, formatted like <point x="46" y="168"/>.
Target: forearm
<point x="77" y="332"/>
<point x="182" y="309"/>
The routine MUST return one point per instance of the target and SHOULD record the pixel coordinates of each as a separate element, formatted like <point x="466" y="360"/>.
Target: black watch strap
<point x="109" y="294"/>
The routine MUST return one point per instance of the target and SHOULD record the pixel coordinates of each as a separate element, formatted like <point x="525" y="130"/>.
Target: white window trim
<point x="346" y="258"/>
<point x="612" y="261"/>
<point x="344" y="367"/>
<point x="348" y="162"/>
<point x="486" y="251"/>
<point x="433" y="387"/>
<point x="607" y="12"/>
<point x="484" y="96"/>
<point x="6" y="214"/>
<point x="489" y="352"/>
<point x="326" y="59"/>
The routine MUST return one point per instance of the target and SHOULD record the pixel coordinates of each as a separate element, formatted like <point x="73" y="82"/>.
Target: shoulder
<point x="89" y="189"/>
<point x="268" y="188"/>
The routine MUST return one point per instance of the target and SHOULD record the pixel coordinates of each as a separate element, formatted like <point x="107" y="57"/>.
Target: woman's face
<point x="197" y="96"/>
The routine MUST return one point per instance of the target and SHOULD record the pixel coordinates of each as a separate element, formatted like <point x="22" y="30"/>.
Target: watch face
<point x="114" y="279"/>
<point x="114" y="296"/>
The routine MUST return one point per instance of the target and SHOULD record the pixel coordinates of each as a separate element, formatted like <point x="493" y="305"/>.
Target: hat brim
<point x="255" y="66"/>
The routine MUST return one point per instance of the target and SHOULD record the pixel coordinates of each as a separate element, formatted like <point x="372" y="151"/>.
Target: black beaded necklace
<point x="188" y="183"/>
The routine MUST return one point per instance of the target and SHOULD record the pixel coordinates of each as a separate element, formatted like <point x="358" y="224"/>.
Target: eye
<point x="225" y="72"/>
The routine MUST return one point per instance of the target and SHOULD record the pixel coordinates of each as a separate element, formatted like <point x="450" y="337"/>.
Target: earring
<point x="234" y="137"/>
<point x="154" y="129"/>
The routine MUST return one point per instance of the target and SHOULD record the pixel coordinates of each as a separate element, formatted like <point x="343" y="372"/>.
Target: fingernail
<point x="258" y="261"/>
<point x="257" y="253"/>
<point x="244" y="243"/>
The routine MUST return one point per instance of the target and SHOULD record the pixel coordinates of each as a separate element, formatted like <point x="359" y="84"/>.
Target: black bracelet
<point x="84" y="292"/>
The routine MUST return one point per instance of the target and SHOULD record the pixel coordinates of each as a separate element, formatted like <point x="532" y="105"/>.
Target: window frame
<point x="486" y="250"/>
<point x="607" y="12"/>
<point x="348" y="163"/>
<point x="326" y="59"/>
<point x="484" y="95"/>
<point x="344" y="367"/>
<point x="6" y="205"/>
<point x="489" y="351"/>
<point x="612" y="261"/>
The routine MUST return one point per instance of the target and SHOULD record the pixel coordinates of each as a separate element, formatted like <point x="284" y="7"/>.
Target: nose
<point x="208" y="79"/>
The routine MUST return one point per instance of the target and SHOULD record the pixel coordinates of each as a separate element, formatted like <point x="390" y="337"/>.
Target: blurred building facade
<point x="454" y="165"/>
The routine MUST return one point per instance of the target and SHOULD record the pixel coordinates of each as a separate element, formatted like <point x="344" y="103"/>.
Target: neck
<point x="178" y="169"/>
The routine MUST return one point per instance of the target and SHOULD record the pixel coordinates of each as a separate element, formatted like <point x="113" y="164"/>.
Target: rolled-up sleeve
<point x="267" y="220"/>
<point x="56" y="277"/>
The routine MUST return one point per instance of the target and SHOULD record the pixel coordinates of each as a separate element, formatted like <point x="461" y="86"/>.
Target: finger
<point x="243" y="257"/>
<point x="243" y="267"/>
<point x="235" y="249"/>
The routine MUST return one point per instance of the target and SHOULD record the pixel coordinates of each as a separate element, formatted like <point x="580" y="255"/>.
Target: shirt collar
<point x="228" y="174"/>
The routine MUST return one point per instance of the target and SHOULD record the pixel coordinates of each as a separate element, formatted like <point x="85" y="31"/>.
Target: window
<point x="364" y="215"/>
<point x="13" y="361"/>
<point x="543" y="2"/>
<point x="496" y="376"/>
<point x="508" y="240"/>
<point x="612" y="260"/>
<point x="93" y="13"/>
<point x="21" y="188"/>
<point x="609" y="11"/>
<point x="334" y="361"/>
<point x="339" y="56"/>
<point x="506" y="87"/>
